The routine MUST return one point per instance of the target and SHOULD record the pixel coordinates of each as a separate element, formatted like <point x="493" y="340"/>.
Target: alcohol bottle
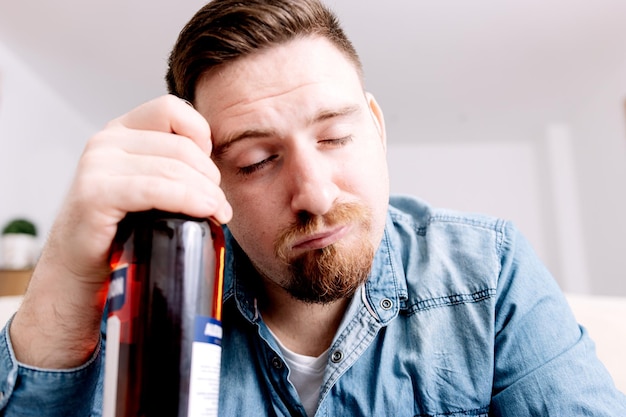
<point x="163" y="339"/>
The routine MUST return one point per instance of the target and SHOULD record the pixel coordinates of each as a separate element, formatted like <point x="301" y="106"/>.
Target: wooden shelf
<point x="14" y="281"/>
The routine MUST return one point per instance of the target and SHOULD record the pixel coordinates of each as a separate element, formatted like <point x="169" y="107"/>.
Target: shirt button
<point x="386" y="304"/>
<point x="337" y="356"/>
<point x="277" y="363"/>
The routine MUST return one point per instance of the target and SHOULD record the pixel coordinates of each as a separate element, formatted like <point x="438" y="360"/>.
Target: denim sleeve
<point x="545" y="363"/>
<point x="28" y="391"/>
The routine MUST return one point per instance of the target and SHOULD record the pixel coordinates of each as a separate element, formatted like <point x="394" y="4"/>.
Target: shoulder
<point x="443" y="252"/>
<point x="423" y="218"/>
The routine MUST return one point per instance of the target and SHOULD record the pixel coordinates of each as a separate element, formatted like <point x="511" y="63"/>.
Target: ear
<point x="377" y="116"/>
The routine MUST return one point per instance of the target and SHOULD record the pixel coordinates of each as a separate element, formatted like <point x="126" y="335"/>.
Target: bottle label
<point x="205" y="367"/>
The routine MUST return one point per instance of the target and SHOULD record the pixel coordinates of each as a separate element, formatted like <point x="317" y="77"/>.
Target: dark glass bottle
<point x="163" y="347"/>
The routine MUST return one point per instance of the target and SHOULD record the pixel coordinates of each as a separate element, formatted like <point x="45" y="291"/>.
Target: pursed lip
<point x="321" y="239"/>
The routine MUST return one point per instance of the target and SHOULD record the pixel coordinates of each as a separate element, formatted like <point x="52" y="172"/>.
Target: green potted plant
<point x="18" y="244"/>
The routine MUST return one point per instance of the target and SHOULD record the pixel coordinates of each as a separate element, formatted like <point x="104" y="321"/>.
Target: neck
<point x="304" y="328"/>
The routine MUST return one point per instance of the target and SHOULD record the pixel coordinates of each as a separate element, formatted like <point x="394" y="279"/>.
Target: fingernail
<point x="187" y="102"/>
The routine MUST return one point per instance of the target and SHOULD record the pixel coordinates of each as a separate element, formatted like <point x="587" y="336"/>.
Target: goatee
<point x="335" y="271"/>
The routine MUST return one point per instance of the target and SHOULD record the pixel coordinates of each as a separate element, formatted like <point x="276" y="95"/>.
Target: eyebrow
<point x="321" y="116"/>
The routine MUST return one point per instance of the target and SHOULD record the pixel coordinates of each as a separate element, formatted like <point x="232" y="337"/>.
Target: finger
<point x="141" y="142"/>
<point x="200" y="199"/>
<point x="171" y="115"/>
<point x="144" y="182"/>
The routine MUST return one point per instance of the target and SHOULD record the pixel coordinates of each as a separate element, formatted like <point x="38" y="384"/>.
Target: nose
<point x="313" y="189"/>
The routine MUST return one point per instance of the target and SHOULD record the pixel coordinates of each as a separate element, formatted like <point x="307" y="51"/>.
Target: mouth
<point x="321" y="239"/>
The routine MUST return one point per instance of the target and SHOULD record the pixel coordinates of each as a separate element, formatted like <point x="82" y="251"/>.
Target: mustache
<point x="307" y="224"/>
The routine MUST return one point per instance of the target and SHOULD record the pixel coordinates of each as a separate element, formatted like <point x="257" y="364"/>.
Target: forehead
<point x="310" y="65"/>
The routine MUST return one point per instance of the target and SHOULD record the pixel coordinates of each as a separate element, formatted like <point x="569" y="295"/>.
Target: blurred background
<point x="514" y="109"/>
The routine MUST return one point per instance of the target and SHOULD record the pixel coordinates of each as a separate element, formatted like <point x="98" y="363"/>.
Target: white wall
<point x="41" y="138"/>
<point x="600" y="125"/>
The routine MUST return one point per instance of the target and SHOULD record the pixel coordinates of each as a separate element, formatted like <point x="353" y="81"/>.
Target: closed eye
<point x="251" y="169"/>
<point x="337" y="141"/>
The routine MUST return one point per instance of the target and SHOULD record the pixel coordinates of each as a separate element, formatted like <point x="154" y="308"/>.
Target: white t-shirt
<point x="306" y="374"/>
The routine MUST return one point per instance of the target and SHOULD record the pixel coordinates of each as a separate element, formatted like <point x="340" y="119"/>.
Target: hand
<point x="156" y="156"/>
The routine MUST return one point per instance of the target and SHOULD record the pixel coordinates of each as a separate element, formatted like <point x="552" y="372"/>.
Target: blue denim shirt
<point x="458" y="318"/>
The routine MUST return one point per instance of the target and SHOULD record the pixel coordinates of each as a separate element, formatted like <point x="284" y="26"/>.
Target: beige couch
<point x="604" y="318"/>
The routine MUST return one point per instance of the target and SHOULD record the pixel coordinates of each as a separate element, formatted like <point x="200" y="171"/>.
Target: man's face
<point x="301" y="150"/>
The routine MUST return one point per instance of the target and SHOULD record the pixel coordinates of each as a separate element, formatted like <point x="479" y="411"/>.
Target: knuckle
<point x="169" y="104"/>
<point x="97" y="140"/>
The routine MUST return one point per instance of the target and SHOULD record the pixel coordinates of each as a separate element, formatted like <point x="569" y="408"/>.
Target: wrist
<point x="58" y="324"/>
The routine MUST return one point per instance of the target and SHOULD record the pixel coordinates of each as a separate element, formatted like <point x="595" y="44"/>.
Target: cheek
<point x="254" y="218"/>
<point x="371" y="183"/>
<point x="243" y="216"/>
<point x="251" y="205"/>
<point x="368" y="172"/>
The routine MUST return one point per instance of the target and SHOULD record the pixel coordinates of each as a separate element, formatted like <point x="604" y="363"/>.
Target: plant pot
<point x="17" y="251"/>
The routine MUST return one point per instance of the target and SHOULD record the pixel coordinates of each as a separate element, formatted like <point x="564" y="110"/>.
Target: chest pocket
<point x="432" y="361"/>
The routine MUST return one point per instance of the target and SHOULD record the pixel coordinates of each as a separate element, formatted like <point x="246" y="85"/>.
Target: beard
<point x="331" y="273"/>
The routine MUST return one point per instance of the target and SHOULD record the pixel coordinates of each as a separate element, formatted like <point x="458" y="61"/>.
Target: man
<point x="338" y="301"/>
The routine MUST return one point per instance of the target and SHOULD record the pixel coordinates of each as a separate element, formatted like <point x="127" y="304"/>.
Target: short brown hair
<point x="225" y="30"/>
